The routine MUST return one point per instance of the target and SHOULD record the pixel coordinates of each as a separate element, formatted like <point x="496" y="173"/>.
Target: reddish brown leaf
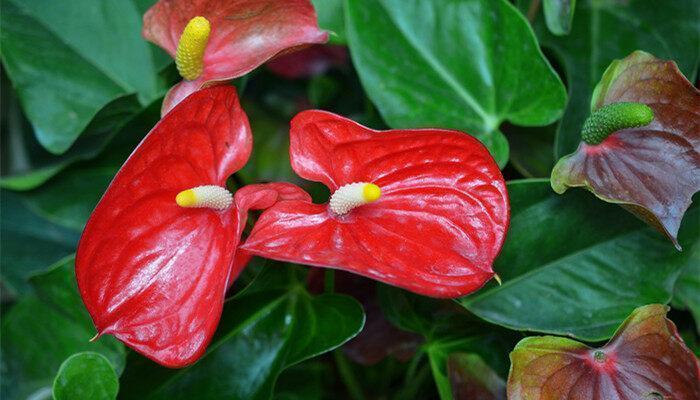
<point x="654" y="170"/>
<point x="646" y="359"/>
<point x="472" y="379"/>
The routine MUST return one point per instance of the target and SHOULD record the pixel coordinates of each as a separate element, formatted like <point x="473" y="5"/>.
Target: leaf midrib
<point x="445" y="75"/>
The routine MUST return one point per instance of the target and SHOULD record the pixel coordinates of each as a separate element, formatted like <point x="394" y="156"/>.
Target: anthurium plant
<point x="350" y="199"/>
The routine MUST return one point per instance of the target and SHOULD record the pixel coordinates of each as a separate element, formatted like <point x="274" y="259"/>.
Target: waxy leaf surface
<point x="64" y="76"/>
<point x="45" y="328"/>
<point x="605" y="30"/>
<point x="646" y="359"/>
<point x="272" y="324"/>
<point x="244" y="34"/>
<point x="150" y="272"/>
<point x="652" y="170"/>
<point x="86" y="376"/>
<point x="436" y="229"/>
<point x="467" y="65"/>
<point x="573" y="265"/>
<point x="23" y="231"/>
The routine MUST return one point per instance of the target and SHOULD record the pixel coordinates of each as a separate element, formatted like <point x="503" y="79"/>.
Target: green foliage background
<point x="80" y="88"/>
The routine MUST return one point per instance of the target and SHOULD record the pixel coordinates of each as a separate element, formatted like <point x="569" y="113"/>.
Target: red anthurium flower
<point x="218" y="40"/>
<point x="646" y="359"/>
<point x="425" y="209"/>
<point x="159" y="251"/>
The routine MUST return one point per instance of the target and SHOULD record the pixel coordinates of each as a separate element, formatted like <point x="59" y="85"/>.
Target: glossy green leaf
<point x="572" y="265"/>
<point x="330" y="18"/>
<point x="467" y="65"/>
<point x="86" y="376"/>
<point x="29" y="241"/>
<point x="27" y="165"/>
<point x="69" y="59"/>
<point x="447" y="330"/>
<point x="605" y="30"/>
<point x="272" y="324"/>
<point x="69" y="198"/>
<point x="45" y="328"/>
<point x="559" y="14"/>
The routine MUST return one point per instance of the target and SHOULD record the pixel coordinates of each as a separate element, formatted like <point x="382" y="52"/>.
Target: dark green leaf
<point x="687" y="290"/>
<point x="26" y="164"/>
<point x="447" y="330"/>
<point x="532" y="149"/>
<point x="29" y="241"/>
<point x="558" y="15"/>
<point x="68" y="59"/>
<point x="467" y="65"/>
<point x="69" y="198"/>
<point x="86" y="376"/>
<point x="572" y="265"/>
<point x="44" y="329"/>
<point x="271" y="325"/>
<point x="605" y="30"/>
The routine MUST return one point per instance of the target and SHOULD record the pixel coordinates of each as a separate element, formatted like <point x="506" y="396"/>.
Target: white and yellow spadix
<point x="189" y="58"/>
<point x="353" y="195"/>
<point x="208" y="196"/>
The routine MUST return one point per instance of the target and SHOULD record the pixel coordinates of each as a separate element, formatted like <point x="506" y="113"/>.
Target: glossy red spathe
<point x="152" y="273"/>
<point x="244" y="34"/>
<point x="439" y="224"/>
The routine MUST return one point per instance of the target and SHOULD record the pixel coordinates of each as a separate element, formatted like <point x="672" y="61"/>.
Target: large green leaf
<point x="447" y="330"/>
<point x="86" y="376"/>
<point x="605" y="30"/>
<point x="68" y="198"/>
<point x="572" y="265"/>
<point x="272" y="324"/>
<point x="44" y="329"/>
<point x="462" y="64"/>
<point x="29" y="242"/>
<point x="26" y="164"/>
<point x="68" y="59"/>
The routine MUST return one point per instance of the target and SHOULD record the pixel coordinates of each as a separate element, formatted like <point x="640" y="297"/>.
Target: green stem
<point x="347" y="376"/>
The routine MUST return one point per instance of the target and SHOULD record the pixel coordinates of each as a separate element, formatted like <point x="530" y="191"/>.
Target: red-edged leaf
<point x="646" y="359"/>
<point x="436" y="229"/>
<point x="309" y="62"/>
<point x="654" y="170"/>
<point x="472" y="379"/>
<point x="244" y="34"/>
<point x="152" y="273"/>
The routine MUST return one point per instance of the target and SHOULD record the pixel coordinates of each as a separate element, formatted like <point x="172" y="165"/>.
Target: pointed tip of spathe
<point x="498" y="279"/>
<point x="94" y="338"/>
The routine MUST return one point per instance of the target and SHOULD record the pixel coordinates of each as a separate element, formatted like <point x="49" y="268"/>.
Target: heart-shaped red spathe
<point x="439" y="224"/>
<point x="152" y="273"/>
<point x="244" y="34"/>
